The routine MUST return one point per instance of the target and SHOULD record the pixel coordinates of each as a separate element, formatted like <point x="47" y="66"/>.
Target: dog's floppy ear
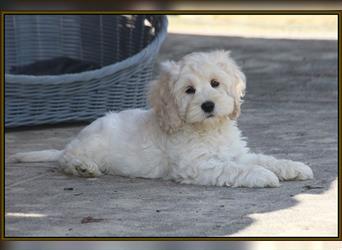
<point x="162" y="99"/>
<point x="238" y="89"/>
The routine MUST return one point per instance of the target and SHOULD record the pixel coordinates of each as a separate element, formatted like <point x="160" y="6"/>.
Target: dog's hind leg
<point x="80" y="166"/>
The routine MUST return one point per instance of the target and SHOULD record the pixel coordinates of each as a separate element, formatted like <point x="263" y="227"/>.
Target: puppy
<point x="190" y="135"/>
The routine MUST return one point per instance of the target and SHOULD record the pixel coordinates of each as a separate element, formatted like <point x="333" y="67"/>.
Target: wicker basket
<point x="125" y="46"/>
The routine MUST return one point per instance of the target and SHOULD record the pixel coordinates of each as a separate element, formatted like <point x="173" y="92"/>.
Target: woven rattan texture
<point x="125" y="46"/>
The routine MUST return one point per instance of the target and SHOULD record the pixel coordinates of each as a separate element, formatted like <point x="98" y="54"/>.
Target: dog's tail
<point x="37" y="156"/>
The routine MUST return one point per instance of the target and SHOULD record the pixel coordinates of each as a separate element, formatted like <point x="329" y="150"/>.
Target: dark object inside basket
<point x="54" y="66"/>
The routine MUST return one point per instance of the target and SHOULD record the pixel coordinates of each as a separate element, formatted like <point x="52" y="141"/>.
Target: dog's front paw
<point x="294" y="170"/>
<point x="257" y="177"/>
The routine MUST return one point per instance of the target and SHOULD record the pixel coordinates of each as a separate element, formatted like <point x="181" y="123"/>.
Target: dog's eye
<point x="190" y="90"/>
<point x="214" y="83"/>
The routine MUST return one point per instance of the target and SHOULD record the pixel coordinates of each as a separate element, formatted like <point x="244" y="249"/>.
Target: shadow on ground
<point x="290" y="111"/>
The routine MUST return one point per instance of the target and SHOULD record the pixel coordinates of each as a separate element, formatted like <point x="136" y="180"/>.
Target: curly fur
<point x="177" y="139"/>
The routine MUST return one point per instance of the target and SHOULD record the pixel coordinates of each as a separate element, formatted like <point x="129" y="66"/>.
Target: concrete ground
<point x="290" y="111"/>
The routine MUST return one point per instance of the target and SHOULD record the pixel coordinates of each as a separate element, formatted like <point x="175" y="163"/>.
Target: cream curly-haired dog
<point x="188" y="136"/>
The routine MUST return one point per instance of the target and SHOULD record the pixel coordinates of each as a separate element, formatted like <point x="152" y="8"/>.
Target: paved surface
<point x="290" y="111"/>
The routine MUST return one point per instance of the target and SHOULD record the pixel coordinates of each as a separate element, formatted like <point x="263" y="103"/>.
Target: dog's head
<point x="200" y="88"/>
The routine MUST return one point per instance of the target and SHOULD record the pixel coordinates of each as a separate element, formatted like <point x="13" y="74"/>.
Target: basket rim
<point x="143" y="56"/>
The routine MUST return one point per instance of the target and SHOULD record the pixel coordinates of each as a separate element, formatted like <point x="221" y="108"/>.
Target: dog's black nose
<point x="208" y="106"/>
